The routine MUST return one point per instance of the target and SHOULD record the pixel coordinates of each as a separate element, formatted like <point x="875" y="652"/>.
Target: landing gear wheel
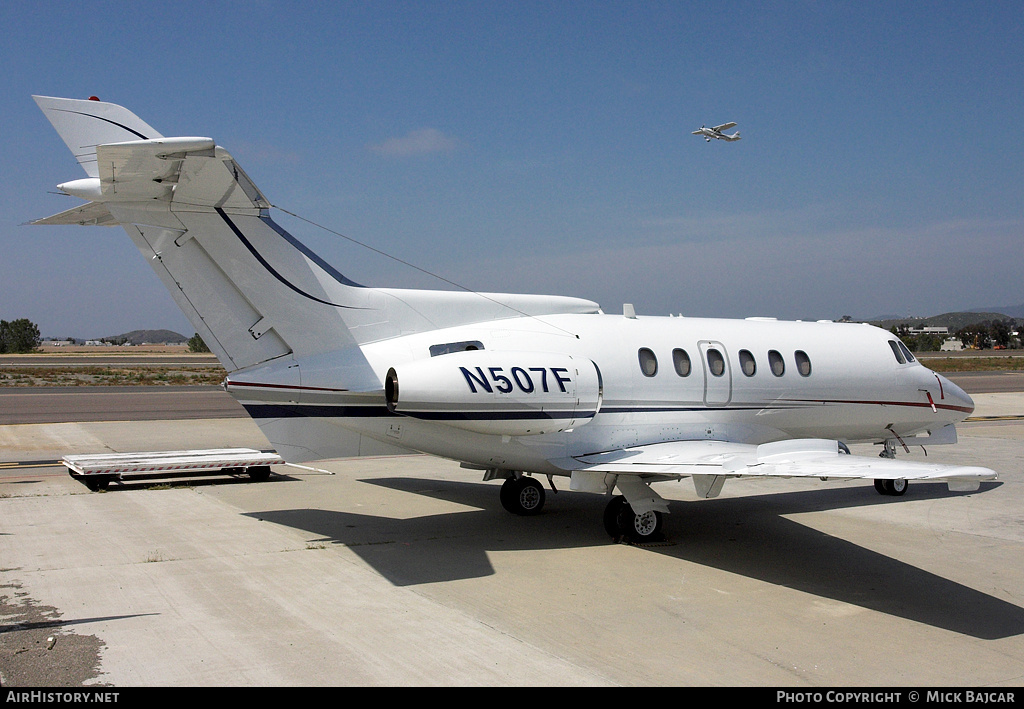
<point x="622" y="523"/>
<point x="522" y="496"/>
<point x="646" y="527"/>
<point x="611" y="516"/>
<point x="891" y="487"/>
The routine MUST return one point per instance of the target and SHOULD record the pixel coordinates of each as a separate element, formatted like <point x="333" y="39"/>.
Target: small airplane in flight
<point x="516" y="387"/>
<point x="716" y="132"/>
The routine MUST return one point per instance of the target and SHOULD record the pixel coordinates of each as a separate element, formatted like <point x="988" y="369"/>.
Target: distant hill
<point x="138" y="337"/>
<point x="1013" y="311"/>
<point x="954" y="321"/>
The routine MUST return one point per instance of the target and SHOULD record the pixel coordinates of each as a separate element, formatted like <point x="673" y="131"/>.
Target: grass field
<point x="89" y="375"/>
<point x="974" y="363"/>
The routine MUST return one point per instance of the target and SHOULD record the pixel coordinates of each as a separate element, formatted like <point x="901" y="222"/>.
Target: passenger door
<point x="717" y="373"/>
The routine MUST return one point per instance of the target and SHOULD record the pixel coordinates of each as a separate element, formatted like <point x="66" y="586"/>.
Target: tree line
<point x="997" y="334"/>
<point x="989" y="334"/>
<point x="22" y="335"/>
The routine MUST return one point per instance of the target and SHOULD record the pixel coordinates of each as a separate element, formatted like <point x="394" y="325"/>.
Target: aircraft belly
<point x="382" y="433"/>
<point x="305" y="439"/>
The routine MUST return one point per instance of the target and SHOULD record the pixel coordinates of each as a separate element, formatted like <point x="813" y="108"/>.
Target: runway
<point x="115" y="403"/>
<point x="988" y="382"/>
<point x="407" y="571"/>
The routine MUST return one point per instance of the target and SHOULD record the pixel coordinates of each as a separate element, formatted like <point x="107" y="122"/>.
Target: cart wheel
<point x="259" y="473"/>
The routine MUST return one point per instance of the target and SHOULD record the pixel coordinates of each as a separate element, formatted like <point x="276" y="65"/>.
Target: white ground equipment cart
<point x="97" y="471"/>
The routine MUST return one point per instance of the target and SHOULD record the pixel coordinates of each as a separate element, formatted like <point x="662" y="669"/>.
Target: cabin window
<point x="803" y="363"/>
<point x="906" y="352"/>
<point x="716" y="362"/>
<point x="449" y="347"/>
<point x="896" y="352"/>
<point x="648" y="362"/>
<point x="681" y="360"/>
<point x="747" y="364"/>
<point x="776" y="363"/>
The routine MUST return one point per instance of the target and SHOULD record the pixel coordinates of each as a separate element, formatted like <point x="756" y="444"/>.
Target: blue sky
<point x="546" y="147"/>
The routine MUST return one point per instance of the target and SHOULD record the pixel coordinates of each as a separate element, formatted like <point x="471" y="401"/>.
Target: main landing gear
<point x="623" y="524"/>
<point x="522" y="496"/>
<point x="525" y="496"/>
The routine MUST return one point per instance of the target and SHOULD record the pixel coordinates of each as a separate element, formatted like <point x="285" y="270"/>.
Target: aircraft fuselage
<point x="532" y="389"/>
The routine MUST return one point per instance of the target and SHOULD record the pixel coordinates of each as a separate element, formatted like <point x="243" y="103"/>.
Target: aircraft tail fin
<point x="251" y="290"/>
<point x="85" y="124"/>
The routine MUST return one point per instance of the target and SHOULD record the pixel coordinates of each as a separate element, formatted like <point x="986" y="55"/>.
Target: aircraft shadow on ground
<point x="63" y="622"/>
<point x="749" y="536"/>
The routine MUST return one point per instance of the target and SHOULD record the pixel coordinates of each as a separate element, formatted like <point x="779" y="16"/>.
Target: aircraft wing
<point x="724" y="126"/>
<point x="801" y="458"/>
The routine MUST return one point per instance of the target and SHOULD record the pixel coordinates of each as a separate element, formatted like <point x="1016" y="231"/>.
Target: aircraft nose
<point x="955" y="398"/>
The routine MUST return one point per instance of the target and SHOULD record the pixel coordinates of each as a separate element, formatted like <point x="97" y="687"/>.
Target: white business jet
<point x="515" y="386"/>
<point x="716" y="132"/>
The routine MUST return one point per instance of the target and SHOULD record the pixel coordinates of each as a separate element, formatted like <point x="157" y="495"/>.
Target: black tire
<point x="894" y="488"/>
<point x="96" y="483"/>
<point x="622" y="523"/>
<point x="523" y="496"/>
<point x="258" y="473"/>
<point x="508" y="495"/>
<point x="897" y="487"/>
<point x="611" y="517"/>
<point x="613" y="513"/>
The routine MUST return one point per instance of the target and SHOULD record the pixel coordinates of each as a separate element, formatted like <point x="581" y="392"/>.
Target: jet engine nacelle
<point x="497" y="392"/>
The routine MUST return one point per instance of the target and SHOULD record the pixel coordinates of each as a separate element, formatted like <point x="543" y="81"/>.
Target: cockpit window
<point x="896" y="351"/>
<point x="906" y="352"/>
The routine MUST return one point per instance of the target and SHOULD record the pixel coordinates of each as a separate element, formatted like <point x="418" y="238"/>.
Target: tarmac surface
<point x="406" y="570"/>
